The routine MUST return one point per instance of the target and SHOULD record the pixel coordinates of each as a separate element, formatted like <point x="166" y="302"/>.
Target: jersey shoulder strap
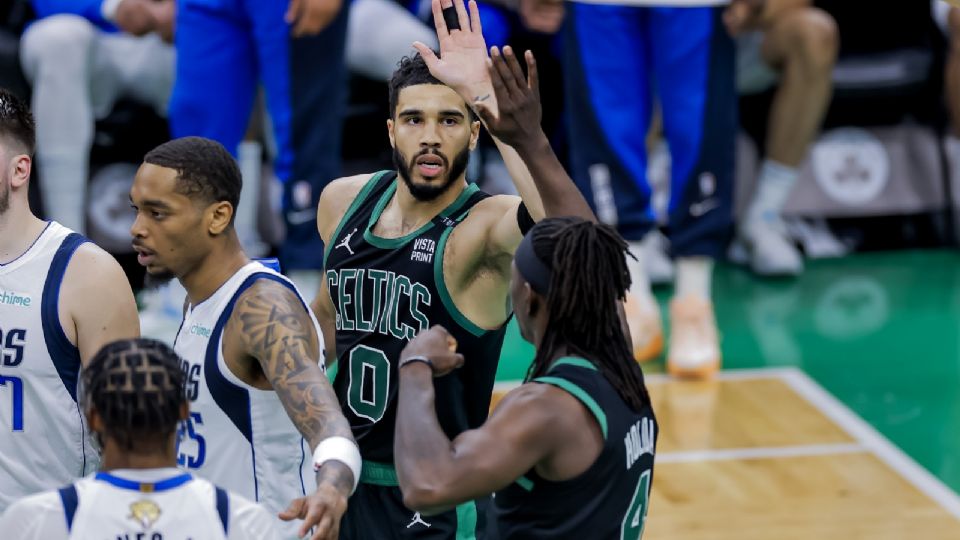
<point x="575" y="382"/>
<point x="68" y="496"/>
<point x="223" y="508"/>
<point x="377" y="182"/>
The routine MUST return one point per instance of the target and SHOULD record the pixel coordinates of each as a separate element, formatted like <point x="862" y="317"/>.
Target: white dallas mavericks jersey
<point x="43" y="440"/>
<point x="239" y="437"/>
<point x="144" y="504"/>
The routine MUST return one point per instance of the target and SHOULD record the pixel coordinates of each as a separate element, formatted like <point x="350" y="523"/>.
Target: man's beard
<point x="429" y="192"/>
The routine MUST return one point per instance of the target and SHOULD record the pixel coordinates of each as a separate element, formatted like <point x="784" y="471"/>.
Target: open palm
<point x="462" y="64"/>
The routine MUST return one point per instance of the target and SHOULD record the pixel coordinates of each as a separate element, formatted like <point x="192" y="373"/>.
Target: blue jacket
<point x="88" y="9"/>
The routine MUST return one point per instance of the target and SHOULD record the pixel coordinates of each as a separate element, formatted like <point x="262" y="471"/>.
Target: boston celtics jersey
<point x="385" y="291"/>
<point x="607" y="501"/>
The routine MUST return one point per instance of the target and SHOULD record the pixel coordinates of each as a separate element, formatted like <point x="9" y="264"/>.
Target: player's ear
<point x="474" y="134"/>
<point x="19" y="167"/>
<point x="184" y="411"/>
<point x="220" y="213"/>
<point x="393" y="142"/>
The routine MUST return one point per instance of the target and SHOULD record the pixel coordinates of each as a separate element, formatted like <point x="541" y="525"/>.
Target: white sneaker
<point x="772" y="252"/>
<point x="656" y="261"/>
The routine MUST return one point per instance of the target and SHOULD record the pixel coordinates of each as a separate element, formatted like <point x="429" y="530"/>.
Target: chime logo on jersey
<point x="144" y="512"/>
<point x="12" y="298"/>
<point x="350" y="286"/>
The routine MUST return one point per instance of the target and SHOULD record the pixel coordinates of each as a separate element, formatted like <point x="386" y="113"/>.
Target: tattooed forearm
<point x="276" y="329"/>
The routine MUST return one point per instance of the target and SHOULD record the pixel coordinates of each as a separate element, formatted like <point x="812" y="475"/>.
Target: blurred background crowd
<point x="824" y="127"/>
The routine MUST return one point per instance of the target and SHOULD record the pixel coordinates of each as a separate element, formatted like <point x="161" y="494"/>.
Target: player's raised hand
<point x="438" y="346"/>
<point x="322" y="509"/>
<point x="463" y="51"/>
<point x="518" y="98"/>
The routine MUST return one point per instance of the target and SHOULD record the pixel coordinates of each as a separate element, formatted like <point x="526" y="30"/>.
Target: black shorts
<point x="376" y="512"/>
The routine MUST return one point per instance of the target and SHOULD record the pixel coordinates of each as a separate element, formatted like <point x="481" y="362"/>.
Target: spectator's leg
<point x="215" y="75"/>
<point x="57" y="54"/>
<point x="379" y="33"/>
<point x="305" y="105"/>
<point x="802" y="45"/>
<point x="606" y="72"/>
<point x="693" y="63"/>
<point x="145" y="67"/>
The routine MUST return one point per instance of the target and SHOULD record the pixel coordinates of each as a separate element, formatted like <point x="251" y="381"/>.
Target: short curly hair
<point x="204" y="169"/>
<point x="411" y="71"/>
<point x="16" y="122"/>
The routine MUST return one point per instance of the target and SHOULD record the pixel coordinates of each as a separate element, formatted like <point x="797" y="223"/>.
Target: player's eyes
<point x="450" y="121"/>
<point x="413" y="120"/>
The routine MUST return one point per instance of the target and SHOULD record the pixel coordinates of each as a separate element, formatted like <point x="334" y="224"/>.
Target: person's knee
<point x="814" y="37"/>
<point x="63" y="40"/>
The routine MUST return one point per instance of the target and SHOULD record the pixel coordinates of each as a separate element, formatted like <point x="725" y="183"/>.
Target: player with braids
<point x="590" y="273"/>
<point x="136" y="388"/>
<point x="570" y="452"/>
<point x="134" y="400"/>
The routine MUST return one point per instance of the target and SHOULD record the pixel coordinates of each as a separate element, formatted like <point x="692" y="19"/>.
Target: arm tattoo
<point x="482" y="98"/>
<point x="276" y="329"/>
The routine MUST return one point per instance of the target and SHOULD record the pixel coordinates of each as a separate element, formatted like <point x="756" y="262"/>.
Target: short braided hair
<point x="137" y="388"/>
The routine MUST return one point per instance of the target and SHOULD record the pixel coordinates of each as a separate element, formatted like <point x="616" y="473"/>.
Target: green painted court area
<point x="881" y="331"/>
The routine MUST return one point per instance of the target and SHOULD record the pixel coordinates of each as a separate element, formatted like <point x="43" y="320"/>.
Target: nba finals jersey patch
<point x="144" y="512"/>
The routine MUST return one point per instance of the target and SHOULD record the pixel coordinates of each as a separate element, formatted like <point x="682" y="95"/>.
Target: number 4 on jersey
<point x="636" y="516"/>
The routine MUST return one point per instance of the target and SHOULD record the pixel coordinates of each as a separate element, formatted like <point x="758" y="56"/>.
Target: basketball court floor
<point x="837" y="415"/>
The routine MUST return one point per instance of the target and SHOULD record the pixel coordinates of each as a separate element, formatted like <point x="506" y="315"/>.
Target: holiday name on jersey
<point x="349" y="286"/>
<point x="639" y="441"/>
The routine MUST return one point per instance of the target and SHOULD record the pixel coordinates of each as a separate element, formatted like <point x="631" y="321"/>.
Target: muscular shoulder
<point x="545" y="405"/>
<point x="495" y="207"/>
<point x="265" y="313"/>
<point x="92" y="266"/>
<point x="95" y="286"/>
<point x="336" y="199"/>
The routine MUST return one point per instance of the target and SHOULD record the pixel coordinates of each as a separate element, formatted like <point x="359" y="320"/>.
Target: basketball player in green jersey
<point x="570" y="452"/>
<point x="419" y="246"/>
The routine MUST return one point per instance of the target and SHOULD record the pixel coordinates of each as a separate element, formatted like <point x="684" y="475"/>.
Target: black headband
<point x="531" y="267"/>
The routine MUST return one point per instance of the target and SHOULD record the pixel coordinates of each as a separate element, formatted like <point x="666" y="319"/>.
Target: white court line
<point x="733" y="454"/>
<point x="876" y="443"/>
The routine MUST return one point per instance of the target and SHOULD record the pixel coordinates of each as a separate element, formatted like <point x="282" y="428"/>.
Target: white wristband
<point x="339" y="449"/>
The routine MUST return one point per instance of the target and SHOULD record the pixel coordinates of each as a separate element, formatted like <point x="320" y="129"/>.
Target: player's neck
<point x="19" y="229"/>
<point x="216" y="268"/>
<point x="114" y="458"/>
<point x="413" y="209"/>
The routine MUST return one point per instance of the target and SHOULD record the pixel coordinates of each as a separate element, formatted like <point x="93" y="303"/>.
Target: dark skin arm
<point x="271" y="326"/>
<point x="517" y="123"/>
<point x="535" y="425"/>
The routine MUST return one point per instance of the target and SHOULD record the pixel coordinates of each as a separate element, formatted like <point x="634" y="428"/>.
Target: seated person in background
<point x="948" y="19"/>
<point x="791" y="45"/>
<point x="81" y="56"/>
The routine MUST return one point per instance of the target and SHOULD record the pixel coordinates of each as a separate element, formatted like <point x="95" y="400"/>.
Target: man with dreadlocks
<point x="133" y="398"/>
<point x="61" y="299"/>
<point x="570" y="452"/>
